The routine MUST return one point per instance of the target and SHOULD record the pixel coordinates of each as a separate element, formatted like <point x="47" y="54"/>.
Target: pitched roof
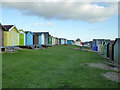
<point x="7" y="27"/>
<point x="28" y="31"/>
<point x="1" y="26"/>
<point x="116" y="40"/>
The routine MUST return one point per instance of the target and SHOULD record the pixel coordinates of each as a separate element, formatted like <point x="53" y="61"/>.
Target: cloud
<point x="45" y="24"/>
<point x="66" y="10"/>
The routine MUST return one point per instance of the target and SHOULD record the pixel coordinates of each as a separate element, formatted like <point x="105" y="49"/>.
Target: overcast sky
<point x="70" y="20"/>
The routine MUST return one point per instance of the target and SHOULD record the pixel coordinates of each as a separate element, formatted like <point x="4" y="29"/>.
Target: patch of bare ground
<point x="112" y="76"/>
<point x="89" y="50"/>
<point x="102" y="66"/>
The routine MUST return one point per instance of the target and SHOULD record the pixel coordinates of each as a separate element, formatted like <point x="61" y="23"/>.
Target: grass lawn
<point x="53" y="67"/>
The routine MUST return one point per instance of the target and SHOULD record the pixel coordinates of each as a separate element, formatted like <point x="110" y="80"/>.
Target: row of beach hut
<point x="11" y="36"/>
<point x="108" y="48"/>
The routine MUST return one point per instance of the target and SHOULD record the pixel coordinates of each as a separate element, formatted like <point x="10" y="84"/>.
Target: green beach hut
<point x="117" y="50"/>
<point x="50" y="40"/>
<point x="21" y="37"/>
<point x="106" y="41"/>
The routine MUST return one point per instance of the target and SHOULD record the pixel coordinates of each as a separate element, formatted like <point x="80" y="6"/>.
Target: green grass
<point x="54" y="67"/>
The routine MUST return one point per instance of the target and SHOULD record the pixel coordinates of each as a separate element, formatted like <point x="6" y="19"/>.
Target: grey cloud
<point x="65" y="10"/>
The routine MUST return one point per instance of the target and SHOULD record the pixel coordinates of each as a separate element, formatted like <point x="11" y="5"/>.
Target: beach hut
<point x="56" y="41"/>
<point x="2" y="29"/>
<point x="117" y="50"/>
<point x="21" y="38"/>
<point x="90" y="44"/>
<point x="102" y="51"/>
<point x="28" y="38"/>
<point x="11" y="35"/>
<point x="42" y="39"/>
<point x="36" y="38"/>
<point x="110" y="50"/>
<point x="69" y="41"/>
<point x="62" y="41"/>
<point x="94" y="45"/>
<point x="59" y="41"/>
<point x="65" y="41"/>
<point x="46" y="37"/>
<point x="50" y="40"/>
<point x="73" y="42"/>
<point x="78" y="42"/>
<point x="106" y="41"/>
<point x="98" y="44"/>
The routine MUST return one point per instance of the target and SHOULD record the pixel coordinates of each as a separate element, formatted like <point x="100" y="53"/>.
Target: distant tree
<point x="78" y="39"/>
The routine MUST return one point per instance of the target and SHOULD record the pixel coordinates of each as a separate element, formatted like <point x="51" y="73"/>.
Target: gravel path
<point x="112" y="76"/>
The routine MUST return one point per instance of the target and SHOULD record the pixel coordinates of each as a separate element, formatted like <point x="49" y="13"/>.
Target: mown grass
<point x="54" y="67"/>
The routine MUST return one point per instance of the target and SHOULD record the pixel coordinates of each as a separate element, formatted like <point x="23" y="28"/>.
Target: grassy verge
<point x="54" y="67"/>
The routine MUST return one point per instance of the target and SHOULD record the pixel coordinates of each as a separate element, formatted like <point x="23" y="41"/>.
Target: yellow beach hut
<point x="11" y="35"/>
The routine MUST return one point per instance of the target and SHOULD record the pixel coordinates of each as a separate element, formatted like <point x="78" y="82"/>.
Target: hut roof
<point x="3" y="28"/>
<point x="28" y="31"/>
<point x="116" y="40"/>
<point x="7" y="27"/>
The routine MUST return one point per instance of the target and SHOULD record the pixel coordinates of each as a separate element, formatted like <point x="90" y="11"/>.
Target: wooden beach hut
<point x="106" y="41"/>
<point x="65" y="41"/>
<point x="110" y="50"/>
<point x="78" y="42"/>
<point x="56" y="41"/>
<point x="102" y="50"/>
<point x="28" y="38"/>
<point x="36" y="38"/>
<point x="117" y="50"/>
<point x="62" y="41"/>
<point x="11" y="35"/>
<point x="42" y="39"/>
<point x="46" y="37"/>
<point x="50" y="40"/>
<point x="59" y="41"/>
<point x="21" y="38"/>
<point x="73" y="42"/>
<point x="98" y="44"/>
<point x="69" y="41"/>
<point x="2" y="29"/>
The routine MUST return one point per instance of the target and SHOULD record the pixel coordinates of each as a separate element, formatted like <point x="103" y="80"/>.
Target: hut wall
<point x="117" y="50"/>
<point x="100" y="48"/>
<point x="111" y="52"/>
<point x="69" y="41"/>
<point x="42" y="39"/>
<point x="11" y="38"/>
<point x="1" y="37"/>
<point x="35" y="39"/>
<point x="29" y="38"/>
<point x="21" y="38"/>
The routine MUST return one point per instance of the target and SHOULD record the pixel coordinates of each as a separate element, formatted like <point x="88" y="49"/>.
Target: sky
<point x="70" y="20"/>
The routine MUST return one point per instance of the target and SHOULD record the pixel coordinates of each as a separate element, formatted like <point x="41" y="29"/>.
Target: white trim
<point x="12" y="28"/>
<point x="24" y="38"/>
<point x="18" y="38"/>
